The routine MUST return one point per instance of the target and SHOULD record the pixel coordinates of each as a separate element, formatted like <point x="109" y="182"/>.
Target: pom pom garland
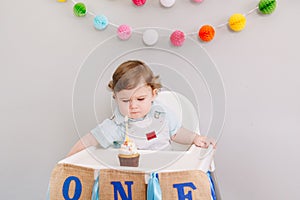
<point x="206" y="33"/>
<point x="124" y="32"/>
<point x="267" y="6"/>
<point x="177" y="38"/>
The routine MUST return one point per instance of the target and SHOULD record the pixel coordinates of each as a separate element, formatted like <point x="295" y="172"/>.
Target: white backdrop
<point x="43" y="46"/>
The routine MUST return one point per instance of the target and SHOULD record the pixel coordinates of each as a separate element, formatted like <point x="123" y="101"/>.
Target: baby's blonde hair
<point x="131" y="73"/>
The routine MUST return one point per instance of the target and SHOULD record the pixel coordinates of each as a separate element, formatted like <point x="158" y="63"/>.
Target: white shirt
<point x="151" y="132"/>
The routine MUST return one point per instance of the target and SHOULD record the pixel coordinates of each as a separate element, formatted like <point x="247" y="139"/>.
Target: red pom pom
<point x="139" y="2"/>
<point x="177" y="38"/>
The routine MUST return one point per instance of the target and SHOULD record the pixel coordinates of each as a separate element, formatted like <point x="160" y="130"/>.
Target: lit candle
<point x="126" y="128"/>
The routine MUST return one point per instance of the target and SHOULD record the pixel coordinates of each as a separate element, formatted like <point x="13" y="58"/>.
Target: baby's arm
<point x="86" y="141"/>
<point x="185" y="136"/>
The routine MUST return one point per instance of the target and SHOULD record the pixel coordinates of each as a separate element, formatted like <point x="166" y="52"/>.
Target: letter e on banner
<point x="185" y="185"/>
<point x="180" y="190"/>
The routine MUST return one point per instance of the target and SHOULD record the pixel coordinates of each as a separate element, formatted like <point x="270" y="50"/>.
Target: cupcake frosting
<point x="128" y="148"/>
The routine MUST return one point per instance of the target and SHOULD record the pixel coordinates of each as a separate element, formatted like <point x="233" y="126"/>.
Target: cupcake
<point x="128" y="154"/>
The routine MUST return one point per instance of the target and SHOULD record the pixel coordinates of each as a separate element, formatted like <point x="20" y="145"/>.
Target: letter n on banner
<point x="122" y="185"/>
<point x="71" y="182"/>
<point x="185" y="185"/>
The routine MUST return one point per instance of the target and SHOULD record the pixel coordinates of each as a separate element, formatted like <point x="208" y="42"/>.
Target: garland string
<point x="206" y="33"/>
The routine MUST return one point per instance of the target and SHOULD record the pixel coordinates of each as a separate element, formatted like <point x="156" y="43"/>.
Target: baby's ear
<point x="114" y="96"/>
<point x="154" y="92"/>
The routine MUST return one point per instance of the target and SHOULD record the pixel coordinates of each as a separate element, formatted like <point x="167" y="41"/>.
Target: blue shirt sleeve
<point x="107" y="132"/>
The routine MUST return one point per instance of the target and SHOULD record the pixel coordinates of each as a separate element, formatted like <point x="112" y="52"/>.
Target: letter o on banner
<point x="66" y="186"/>
<point x="71" y="182"/>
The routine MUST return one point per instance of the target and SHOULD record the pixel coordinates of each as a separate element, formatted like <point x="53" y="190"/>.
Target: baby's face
<point x="137" y="102"/>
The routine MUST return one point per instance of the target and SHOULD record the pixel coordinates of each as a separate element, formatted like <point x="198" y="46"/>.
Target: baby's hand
<point x="203" y="141"/>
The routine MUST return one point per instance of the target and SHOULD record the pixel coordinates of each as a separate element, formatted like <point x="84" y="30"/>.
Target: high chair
<point x="83" y="174"/>
<point x="186" y="113"/>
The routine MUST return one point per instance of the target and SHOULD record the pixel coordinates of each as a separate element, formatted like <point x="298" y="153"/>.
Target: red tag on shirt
<point x="151" y="135"/>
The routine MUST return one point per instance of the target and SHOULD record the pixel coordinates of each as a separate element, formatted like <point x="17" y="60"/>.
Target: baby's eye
<point x="125" y="101"/>
<point x="141" y="99"/>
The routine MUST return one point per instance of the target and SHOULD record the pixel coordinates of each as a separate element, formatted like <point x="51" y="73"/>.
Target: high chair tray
<point x="97" y="158"/>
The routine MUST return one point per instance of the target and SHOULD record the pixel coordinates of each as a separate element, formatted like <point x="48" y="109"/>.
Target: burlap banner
<point x="185" y="185"/>
<point x="71" y="182"/>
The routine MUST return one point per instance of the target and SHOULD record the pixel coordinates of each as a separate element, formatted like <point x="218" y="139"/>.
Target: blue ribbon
<point x="212" y="186"/>
<point x="48" y="192"/>
<point x="153" y="188"/>
<point x="95" y="194"/>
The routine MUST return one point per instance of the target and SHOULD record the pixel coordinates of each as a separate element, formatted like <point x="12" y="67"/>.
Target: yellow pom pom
<point x="237" y="22"/>
<point x="61" y="0"/>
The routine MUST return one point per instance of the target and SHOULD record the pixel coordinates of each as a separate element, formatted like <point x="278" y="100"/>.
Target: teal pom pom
<point x="267" y="6"/>
<point x="79" y="9"/>
<point x="100" y="22"/>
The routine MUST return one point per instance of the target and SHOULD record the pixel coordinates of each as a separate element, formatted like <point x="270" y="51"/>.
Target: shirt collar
<point x="120" y="119"/>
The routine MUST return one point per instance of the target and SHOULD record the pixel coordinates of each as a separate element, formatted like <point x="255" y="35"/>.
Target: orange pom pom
<point x="206" y="33"/>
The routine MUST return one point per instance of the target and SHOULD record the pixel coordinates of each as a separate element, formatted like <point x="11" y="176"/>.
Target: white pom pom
<point x="167" y="3"/>
<point x="150" y="37"/>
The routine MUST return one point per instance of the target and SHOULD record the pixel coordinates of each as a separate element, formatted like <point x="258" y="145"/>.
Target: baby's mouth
<point x="134" y="113"/>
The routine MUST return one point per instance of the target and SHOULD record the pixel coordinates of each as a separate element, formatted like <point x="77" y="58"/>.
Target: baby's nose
<point x="133" y="103"/>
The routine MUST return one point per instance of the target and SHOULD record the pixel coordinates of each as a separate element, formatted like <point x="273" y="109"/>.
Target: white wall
<point x="43" y="45"/>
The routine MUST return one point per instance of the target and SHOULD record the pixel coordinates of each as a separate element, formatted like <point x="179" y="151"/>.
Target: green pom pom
<point x="79" y="9"/>
<point x="267" y="6"/>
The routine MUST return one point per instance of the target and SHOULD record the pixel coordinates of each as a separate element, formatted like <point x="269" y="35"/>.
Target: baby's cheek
<point x="123" y="110"/>
<point x="147" y="107"/>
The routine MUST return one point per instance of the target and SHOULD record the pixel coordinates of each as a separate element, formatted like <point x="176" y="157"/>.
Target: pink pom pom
<point x="197" y="1"/>
<point x="124" y="32"/>
<point x="139" y="2"/>
<point x="177" y="38"/>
